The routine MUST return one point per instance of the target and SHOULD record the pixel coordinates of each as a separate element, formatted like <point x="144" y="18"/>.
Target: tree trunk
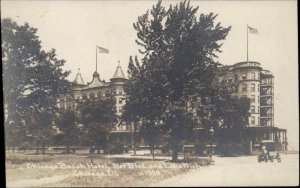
<point x="175" y="151"/>
<point x="68" y="148"/>
<point x="134" y="138"/>
<point x="43" y="148"/>
<point x="37" y="148"/>
<point x="152" y="147"/>
<point x="175" y="135"/>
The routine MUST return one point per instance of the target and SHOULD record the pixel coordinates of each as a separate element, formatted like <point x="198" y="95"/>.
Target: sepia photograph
<point x="156" y="93"/>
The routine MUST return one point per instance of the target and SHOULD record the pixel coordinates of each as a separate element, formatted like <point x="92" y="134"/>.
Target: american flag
<point x="252" y="30"/>
<point x="102" y="50"/>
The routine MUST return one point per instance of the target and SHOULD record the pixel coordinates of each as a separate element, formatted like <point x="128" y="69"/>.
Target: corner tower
<point x="78" y="79"/>
<point x="117" y="83"/>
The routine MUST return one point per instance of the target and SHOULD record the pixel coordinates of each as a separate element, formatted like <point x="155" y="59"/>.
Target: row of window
<point x="92" y="95"/>
<point x="244" y="76"/>
<point x="252" y="87"/>
<point x="252" y="98"/>
<point x="71" y="106"/>
<point x="252" y="120"/>
<point x="252" y="109"/>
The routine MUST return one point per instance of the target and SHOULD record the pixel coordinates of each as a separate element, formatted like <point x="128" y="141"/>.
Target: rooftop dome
<point x="96" y="74"/>
<point x="96" y="82"/>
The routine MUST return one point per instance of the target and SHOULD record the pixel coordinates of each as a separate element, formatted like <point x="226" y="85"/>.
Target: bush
<point x="165" y="149"/>
<point x="114" y="148"/>
<point x="200" y="148"/>
<point x="232" y="149"/>
<point x="26" y="146"/>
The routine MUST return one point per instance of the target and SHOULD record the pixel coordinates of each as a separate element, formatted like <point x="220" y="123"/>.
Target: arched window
<point x="92" y="96"/>
<point x="107" y="93"/>
<point x="99" y="94"/>
<point x="244" y="87"/>
<point x="120" y="101"/>
<point x="244" y="76"/>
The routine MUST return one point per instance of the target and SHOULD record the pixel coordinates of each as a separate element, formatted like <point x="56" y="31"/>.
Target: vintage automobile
<point x="269" y="151"/>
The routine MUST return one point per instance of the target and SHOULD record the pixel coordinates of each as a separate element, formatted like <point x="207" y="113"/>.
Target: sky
<point x="74" y="28"/>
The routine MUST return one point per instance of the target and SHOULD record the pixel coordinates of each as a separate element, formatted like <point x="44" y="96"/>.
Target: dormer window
<point x="92" y="96"/>
<point x="107" y="93"/>
<point x="244" y="76"/>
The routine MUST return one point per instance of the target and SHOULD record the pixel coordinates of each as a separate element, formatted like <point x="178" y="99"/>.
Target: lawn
<point x="96" y="170"/>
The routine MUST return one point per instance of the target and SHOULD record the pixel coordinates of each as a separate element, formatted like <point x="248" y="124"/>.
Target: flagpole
<point x="96" y="58"/>
<point x="247" y="43"/>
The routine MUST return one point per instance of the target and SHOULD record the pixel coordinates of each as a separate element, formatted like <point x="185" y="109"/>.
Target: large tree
<point x="66" y="121"/>
<point x="98" y="116"/>
<point x="230" y="115"/>
<point x="178" y="66"/>
<point x="32" y="77"/>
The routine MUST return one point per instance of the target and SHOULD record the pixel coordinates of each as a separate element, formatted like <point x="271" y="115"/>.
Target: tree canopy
<point x="98" y="116"/>
<point x="67" y="122"/>
<point x="32" y="77"/>
<point x="178" y="65"/>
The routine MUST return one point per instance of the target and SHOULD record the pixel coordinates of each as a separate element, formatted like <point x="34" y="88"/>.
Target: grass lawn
<point x="79" y="170"/>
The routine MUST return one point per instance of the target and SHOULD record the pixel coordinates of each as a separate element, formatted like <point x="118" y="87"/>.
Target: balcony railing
<point x="266" y="72"/>
<point x="266" y="115"/>
<point x="266" y="93"/>
<point x="246" y="64"/>
<point x="265" y="105"/>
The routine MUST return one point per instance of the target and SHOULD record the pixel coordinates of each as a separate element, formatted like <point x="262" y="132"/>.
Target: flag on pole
<point x="252" y="30"/>
<point x="102" y="50"/>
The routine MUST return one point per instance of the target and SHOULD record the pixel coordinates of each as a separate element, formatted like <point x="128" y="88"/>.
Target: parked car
<point x="269" y="151"/>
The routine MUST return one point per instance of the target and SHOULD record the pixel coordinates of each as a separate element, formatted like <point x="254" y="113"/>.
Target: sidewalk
<point x="142" y="154"/>
<point x="145" y="154"/>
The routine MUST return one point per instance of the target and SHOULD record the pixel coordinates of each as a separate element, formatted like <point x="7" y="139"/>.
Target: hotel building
<point x="248" y="79"/>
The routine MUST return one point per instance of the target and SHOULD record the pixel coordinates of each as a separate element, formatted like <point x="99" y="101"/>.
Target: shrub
<point x="114" y="148"/>
<point x="26" y="146"/>
<point x="165" y="149"/>
<point x="200" y="148"/>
